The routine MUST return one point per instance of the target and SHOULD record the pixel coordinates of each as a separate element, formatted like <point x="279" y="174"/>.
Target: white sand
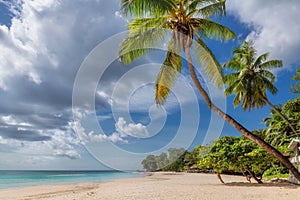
<point x="172" y="186"/>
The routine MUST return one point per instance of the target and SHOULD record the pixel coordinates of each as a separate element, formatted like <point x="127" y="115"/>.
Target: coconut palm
<point x="252" y="78"/>
<point x="186" y="21"/>
<point x="295" y="88"/>
<point x="277" y="131"/>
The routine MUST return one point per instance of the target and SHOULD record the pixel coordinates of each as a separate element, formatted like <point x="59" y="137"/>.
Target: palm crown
<point x="187" y="20"/>
<point x="251" y="77"/>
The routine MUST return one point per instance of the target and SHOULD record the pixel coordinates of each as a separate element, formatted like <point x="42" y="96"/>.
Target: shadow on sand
<point x="282" y="184"/>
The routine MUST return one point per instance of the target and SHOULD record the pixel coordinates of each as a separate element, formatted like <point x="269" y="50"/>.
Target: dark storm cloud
<point x="17" y="133"/>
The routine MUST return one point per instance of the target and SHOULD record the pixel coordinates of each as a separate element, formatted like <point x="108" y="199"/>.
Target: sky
<point x="67" y="103"/>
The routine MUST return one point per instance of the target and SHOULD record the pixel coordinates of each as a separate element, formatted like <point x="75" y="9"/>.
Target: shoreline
<point x="159" y="185"/>
<point x="14" y="179"/>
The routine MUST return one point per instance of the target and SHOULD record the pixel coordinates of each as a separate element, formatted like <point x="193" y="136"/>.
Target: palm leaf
<point x="241" y="86"/>
<point x="246" y="53"/>
<point x="233" y="64"/>
<point x="260" y="59"/>
<point x="267" y="84"/>
<point x="142" y="25"/>
<point x="258" y="92"/>
<point x="136" y="46"/>
<point x="196" y="4"/>
<point x="213" y="30"/>
<point x="267" y="74"/>
<point x="247" y="101"/>
<point x="271" y="64"/>
<point x="244" y="73"/>
<point x="229" y="90"/>
<point x="209" y="62"/>
<point x="168" y="74"/>
<point x="237" y="100"/>
<point x="141" y="8"/>
<point x="216" y="8"/>
<point x="230" y="78"/>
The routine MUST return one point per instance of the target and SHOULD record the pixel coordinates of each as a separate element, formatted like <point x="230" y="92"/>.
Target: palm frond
<point x="230" y="78"/>
<point x="213" y="30"/>
<point x="229" y="90"/>
<point x="215" y="9"/>
<point x="136" y="46"/>
<point x="246" y="53"/>
<point x="237" y="100"/>
<point x="142" y="8"/>
<point x="271" y="64"/>
<point x="241" y="87"/>
<point x="260" y="59"/>
<point x="244" y="73"/>
<point x="267" y="74"/>
<point x="263" y="81"/>
<point x="197" y="4"/>
<point x="209" y="62"/>
<point x="257" y="92"/>
<point x="248" y="101"/>
<point x="233" y="64"/>
<point x="142" y="25"/>
<point x="168" y="74"/>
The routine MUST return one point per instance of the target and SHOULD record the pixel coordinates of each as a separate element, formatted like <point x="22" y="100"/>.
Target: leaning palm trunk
<point x="258" y="180"/>
<point x="280" y="114"/>
<point x="285" y="161"/>
<point x="220" y="177"/>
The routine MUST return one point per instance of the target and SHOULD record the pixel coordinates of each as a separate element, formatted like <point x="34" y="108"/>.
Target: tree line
<point x="236" y="155"/>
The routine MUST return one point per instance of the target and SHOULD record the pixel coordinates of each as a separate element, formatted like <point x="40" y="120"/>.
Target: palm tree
<point x="186" y="20"/>
<point x="295" y="88"/>
<point x="277" y="131"/>
<point x="252" y="78"/>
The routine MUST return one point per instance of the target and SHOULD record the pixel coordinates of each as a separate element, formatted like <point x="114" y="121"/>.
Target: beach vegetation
<point x="171" y="161"/>
<point x="241" y="156"/>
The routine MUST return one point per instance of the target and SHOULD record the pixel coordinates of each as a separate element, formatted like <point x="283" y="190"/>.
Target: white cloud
<point x="62" y="145"/>
<point x="130" y="129"/>
<point x="275" y="23"/>
<point x="122" y="131"/>
<point x="115" y="138"/>
<point x="9" y="120"/>
<point x="2" y="141"/>
<point x="90" y="136"/>
<point x="106" y="97"/>
<point x="51" y="34"/>
<point x="79" y="130"/>
<point x="72" y="154"/>
<point x="104" y="117"/>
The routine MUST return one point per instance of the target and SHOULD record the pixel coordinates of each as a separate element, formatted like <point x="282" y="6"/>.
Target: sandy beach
<point x="181" y="186"/>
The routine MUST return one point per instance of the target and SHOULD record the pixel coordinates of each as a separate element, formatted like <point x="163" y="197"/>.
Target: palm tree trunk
<point x="255" y="178"/>
<point x="220" y="177"/>
<point x="285" y="161"/>
<point x="280" y="114"/>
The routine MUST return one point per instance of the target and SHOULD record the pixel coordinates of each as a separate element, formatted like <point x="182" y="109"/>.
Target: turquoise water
<point x="15" y="179"/>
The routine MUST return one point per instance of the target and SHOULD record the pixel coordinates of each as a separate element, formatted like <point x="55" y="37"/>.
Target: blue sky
<point x="66" y="102"/>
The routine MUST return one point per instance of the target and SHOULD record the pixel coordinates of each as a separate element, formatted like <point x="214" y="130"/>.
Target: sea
<point x="16" y="179"/>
